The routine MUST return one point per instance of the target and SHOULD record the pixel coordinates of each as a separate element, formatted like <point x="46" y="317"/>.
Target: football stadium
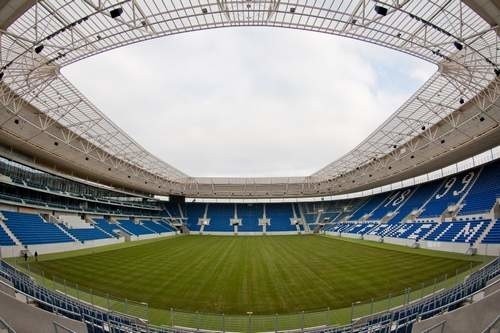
<point x="398" y="233"/>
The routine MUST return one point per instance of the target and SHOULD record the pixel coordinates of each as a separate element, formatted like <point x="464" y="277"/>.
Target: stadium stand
<point x="421" y="194"/>
<point x="220" y="215"/>
<point x="107" y="227"/>
<point x="32" y="229"/>
<point x="411" y="230"/>
<point x="493" y="235"/>
<point x="484" y="192"/>
<point x="194" y="212"/>
<point x="86" y="234"/>
<point x="450" y="192"/>
<point x="391" y="204"/>
<point x="458" y="231"/>
<point x="134" y="228"/>
<point x="5" y="238"/>
<point x="371" y="204"/>
<point x="280" y="215"/>
<point x="250" y="215"/>
<point x="156" y="226"/>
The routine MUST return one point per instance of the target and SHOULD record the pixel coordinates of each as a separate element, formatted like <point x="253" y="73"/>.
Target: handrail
<point x="4" y="325"/>
<point x="58" y="326"/>
<point x="441" y="323"/>
<point x="491" y="325"/>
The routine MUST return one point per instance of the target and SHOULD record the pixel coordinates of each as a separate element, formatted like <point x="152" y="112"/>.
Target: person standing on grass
<point x="25" y="256"/>
<point x="36" y="256"/>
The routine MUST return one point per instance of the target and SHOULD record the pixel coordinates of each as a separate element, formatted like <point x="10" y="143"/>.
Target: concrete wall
<point x="374" y="238"/>
<point x="489" y="249"/>
<point x="24" y="317"/>
<point x="399" y="241"/>
<point x="355" y="236"/>
<point x="444" y="246"/>
<point x="246" y="233"/>
<point x="15" y="251"/>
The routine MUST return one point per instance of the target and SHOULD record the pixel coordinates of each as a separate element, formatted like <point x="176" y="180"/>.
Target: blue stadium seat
<point x="5" y="239"/>
<point x="417" y="200"/>
<point x="493" y="236"/>
<point x="134" y="228"/>
<point x="194" y="212"/>
<point x="373" y="202"/>
<point x="86" y="234"/>
<point x="280" y="214"/>
<point x="250" y="215"/>
<point x="458" y="231"/>
<point x="451" y="191"/>
<point x="156" y="226"/>
<point x="484" y="192"/>
<point x="220" y="215"/>
<point x="105" y="226"/>
<point x="392" y="203"/>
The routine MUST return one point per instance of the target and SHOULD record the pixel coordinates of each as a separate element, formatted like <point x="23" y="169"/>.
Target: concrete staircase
<point x="485" y="232"/>
<point x="67" y="233"/>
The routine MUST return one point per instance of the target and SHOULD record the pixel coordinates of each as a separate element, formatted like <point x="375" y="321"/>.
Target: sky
<point x="249" y="101"/>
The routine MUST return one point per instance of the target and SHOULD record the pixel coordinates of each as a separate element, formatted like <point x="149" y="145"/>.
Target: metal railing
<point x="107" y="317"/>
<point x="494" y="327"/>
<point x="4" y="327"/>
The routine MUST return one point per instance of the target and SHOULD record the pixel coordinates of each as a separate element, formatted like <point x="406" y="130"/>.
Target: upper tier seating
<point x="373" y="202"/>
<point x="484" y="192"/>
<point x="86" y="234"/>
<point x="417" y="200"/>
<point x="134" y="228"/>
<point x="220" y="215"/>
<point x="391" y="203"/>
<point x="250" y="215"/>
<point x="32" y="229"/>
<point x="452" y="189"/>
<point x="493" y="236"/>
<point x="280" y="214"/>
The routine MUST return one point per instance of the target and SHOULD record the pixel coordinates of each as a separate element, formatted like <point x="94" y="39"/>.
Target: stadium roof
<point x="452" y="116"/>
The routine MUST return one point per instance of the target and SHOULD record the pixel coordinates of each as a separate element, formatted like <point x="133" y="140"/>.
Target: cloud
<point x="249" y="101"/>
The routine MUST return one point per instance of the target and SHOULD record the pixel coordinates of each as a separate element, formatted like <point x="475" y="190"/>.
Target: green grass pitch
<point x="261" y="274"/>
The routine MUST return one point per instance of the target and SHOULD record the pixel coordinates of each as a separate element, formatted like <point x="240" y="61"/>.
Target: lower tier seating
<point x="493" y="236"/>
<point x="5" y="239"/>
<point x="32" y="229"/>
<point x="86" y="234"/>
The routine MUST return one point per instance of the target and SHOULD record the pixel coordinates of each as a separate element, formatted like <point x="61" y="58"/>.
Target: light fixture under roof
<point x="114" y="13"/>
<point x="380" y="10"/>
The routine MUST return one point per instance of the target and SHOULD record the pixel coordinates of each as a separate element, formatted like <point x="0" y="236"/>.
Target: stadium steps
<point x="480" y="239"/>
<point x="67" y="233"/>
<point x="9" y="233"/>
